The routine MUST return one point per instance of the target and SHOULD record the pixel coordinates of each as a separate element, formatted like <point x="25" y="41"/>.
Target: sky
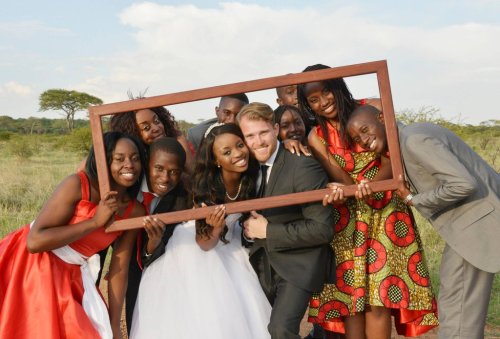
<point x="442" y="54"/>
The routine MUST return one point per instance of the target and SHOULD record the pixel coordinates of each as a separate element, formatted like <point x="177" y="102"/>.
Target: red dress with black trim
<point x="378" y="254"/>
<point x="40" y="294"/>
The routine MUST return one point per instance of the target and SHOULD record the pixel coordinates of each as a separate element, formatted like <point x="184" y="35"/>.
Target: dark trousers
<point x="289" y="302"/>
<point x="134" y="280"/>
<point x="102" y="259"/>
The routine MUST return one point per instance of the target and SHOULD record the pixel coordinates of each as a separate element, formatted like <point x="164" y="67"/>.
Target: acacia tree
<point x="69" y="102"/>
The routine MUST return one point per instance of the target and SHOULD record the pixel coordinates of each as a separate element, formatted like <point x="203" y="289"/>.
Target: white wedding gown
<point x="191" y="293"/>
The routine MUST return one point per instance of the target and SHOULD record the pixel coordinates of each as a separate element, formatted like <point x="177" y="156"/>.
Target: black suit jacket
<point x="298" y="237"/>
<point x="196" y="133"/>
<point x="175" y="200"/>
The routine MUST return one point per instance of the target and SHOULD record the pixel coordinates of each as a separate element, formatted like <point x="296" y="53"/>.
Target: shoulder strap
<point x="84" y="181"/>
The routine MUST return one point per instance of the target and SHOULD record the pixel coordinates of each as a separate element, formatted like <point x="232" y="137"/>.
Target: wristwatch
<point x="408" y="199"/>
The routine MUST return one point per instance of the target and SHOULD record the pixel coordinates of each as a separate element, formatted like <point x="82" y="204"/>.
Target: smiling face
<point x="125" y="167"/>
<point x="150" y="127"/>
<point x="321" y="100"/>
<point x="230" y="153"/>
<point x="260" y="137"/>
<point x="292" y="126"/>
<point x="366" y="128"/>
<point x="165" y="170"/>
<point x="287" y="95"/>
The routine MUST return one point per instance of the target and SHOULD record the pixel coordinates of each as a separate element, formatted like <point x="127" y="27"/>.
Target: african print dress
<point x="378" y="254"/>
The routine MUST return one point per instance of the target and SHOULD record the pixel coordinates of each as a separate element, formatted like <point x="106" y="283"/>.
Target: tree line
<point x="484" y="136"/>
<point x="66" y="103"/>
<point x="9" y="125"/>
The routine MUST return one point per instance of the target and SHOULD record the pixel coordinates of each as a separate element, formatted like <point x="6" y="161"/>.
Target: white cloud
<point x="24" y="29"/>
<point x="187" y="47"/>
<point x="14" y="88"/>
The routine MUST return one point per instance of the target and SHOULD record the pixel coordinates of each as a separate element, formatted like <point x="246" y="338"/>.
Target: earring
<point x="218" y="165"/>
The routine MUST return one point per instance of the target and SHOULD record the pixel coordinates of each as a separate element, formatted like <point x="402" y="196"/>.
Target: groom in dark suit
<point x="290" y="250"/>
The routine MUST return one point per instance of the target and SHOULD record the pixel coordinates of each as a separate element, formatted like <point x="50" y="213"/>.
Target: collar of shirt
<point x="145" y="188"/>
<point x="269" y="163"/>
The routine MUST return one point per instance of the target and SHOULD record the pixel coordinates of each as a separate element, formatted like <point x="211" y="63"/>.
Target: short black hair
<point x="168" y="145"/>
<point x="361" y="109"/>
<point x="239" y="96"/>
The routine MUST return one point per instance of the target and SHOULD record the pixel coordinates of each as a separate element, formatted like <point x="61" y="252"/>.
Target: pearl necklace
<point x="237" y="193"/>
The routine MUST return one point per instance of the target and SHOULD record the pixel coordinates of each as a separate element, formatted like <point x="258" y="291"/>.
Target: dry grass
<point x="26" y="183"/>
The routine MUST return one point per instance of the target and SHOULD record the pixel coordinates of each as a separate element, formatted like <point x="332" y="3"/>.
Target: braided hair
<point x="343" y="99"/>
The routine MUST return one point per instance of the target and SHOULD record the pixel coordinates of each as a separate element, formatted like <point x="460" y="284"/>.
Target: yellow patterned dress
<point x="378" y="254"/>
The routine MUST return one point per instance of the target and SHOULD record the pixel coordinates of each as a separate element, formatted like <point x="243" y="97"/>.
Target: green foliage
<point x="5" y="122"/>
<point x="21" y="148"/>
<point x="423" y="114"/>
<point x="184" y="126"/>
<point x="427" y="114"/>
<point x="4" y="135"/>
<point x="80" y="140"/>
<point x="26" y="185"/>
<point x="37" y="125"/>
<point x="69" y="102"/>
<point x="491" y="123"/>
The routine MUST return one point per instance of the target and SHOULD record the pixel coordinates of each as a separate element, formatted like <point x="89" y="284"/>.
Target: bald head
<point x="365" y="109"/>
<point x="366" y="128"/>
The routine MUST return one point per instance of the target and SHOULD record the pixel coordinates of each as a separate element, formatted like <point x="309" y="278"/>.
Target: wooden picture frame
<point x="376" y="67"/>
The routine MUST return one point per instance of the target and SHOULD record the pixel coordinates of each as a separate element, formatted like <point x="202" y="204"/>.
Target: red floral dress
<point x="378" y="254"/>
<point x="40" y="294"/>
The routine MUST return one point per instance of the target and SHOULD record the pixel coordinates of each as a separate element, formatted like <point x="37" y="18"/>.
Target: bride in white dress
<point x="204" y="286"/>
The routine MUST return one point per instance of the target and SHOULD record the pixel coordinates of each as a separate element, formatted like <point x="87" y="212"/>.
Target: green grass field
<point x="26" y="182"/>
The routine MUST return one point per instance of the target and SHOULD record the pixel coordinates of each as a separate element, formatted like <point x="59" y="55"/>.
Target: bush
<point x="21" y="148"/>
<point x="4" y="135"/>
<point x="80" y="140"/>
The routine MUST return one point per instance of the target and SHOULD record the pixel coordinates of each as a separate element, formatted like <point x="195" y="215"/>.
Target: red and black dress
<point x="40" y="294"/>
<point x="378" y="254"/>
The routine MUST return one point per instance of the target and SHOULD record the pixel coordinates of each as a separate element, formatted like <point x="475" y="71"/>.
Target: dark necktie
<point x="262" y="187"/>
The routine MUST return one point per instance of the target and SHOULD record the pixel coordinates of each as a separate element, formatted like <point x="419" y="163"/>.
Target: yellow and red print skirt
<point x="380" y="262"/>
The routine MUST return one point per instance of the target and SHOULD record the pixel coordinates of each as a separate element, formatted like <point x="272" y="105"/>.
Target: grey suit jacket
<point x="196" y="133"/>
<point x="298" y="237"/>
<point x="457" y="191"/>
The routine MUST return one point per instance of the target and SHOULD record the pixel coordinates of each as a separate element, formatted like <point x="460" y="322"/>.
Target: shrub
<point x="20" y="148"/>
<point x="4" y="135"/>
<point x="80" y="140"/>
